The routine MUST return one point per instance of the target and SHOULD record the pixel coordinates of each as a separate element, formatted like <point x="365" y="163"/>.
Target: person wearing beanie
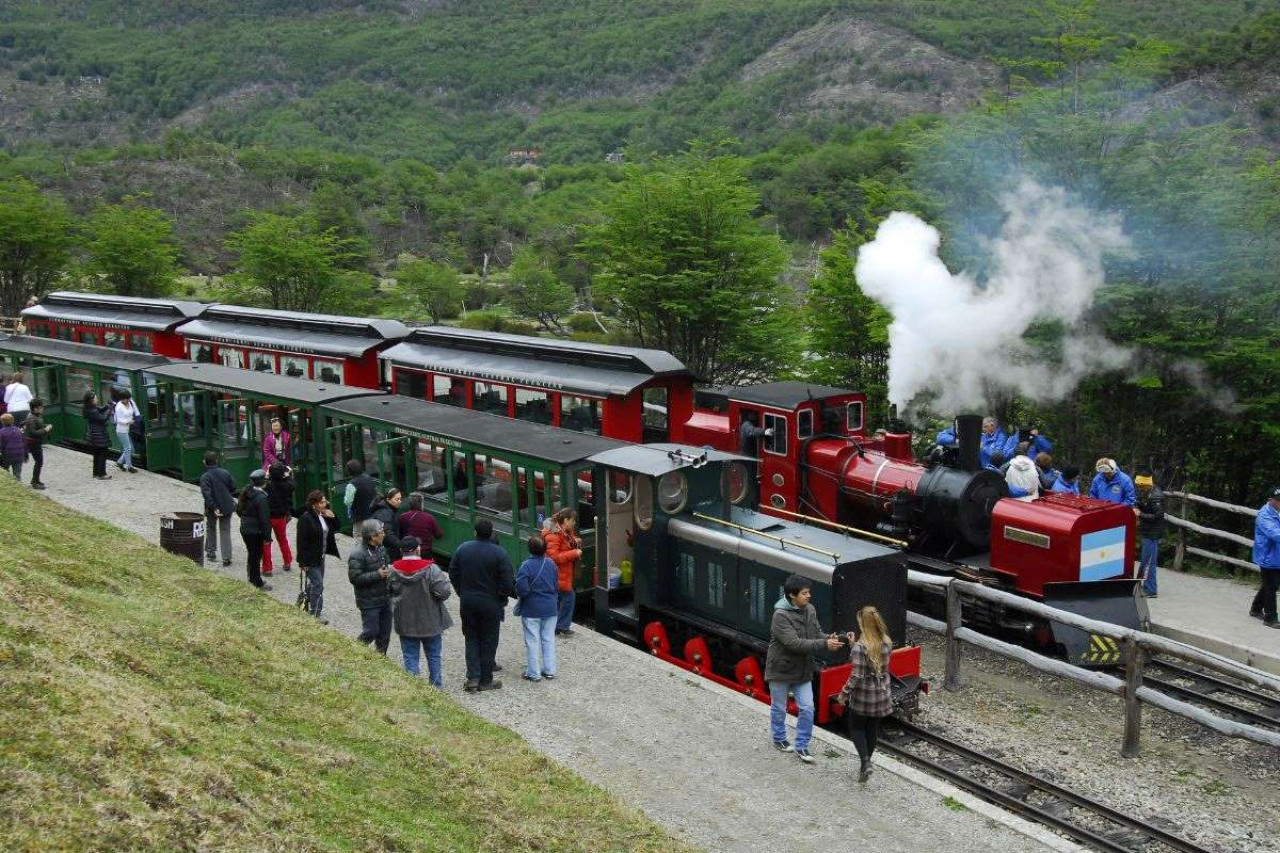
<point x="1112" y="484"/>
<point x="1149" y="508"/>
<point x="254" y="509"/>
<point x="1023" y="479"/>
<point x="419" y="589"/>
<point x="1266" y="553"/>
<point x="1068" y="481"/>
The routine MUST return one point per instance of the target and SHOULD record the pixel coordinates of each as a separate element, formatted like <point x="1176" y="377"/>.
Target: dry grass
<point x="149" y="705"/>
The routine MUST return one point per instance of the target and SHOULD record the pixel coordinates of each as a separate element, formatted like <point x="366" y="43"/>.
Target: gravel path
<point x="693" y="756"/>
<point x="1220" y="792"/>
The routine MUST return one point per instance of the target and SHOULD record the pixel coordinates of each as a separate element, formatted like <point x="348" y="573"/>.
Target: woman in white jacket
<point x="126" y="415"/>
<point x="1023" y="479"/>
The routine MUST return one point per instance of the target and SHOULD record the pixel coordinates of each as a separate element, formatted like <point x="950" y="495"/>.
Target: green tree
<point x="533" y="291"/>
<point x="435" y="288"/>
<point x="291" y="265"/>
<point x="689" y="271"/>
<point x="848" y="330"/>
<point x="35" y="236"/>
<point x="333" y="209"/>
<point x="132" y="250"/>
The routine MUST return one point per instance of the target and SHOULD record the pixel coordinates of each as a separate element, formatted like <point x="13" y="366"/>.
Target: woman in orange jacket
<point x="565" y="549"/>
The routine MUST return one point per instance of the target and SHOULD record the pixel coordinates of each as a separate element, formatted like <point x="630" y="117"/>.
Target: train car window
<point x="804" y="423"/>
<point x="620" y="487"/>
<point x="433" y="481"/>
<point x="737" y="482"/>
<point x="141" y="343"/>
<point x="39" y="330"/>
<point x="711" y="401"/>
<point x="673" y="492"/>
<point x="655" y="416"/>
<point x="581" y="414"/>
<point x="410" y="383"/>
<point x="449" y="390"/>
<point x="231" y="358"/>
<point x="79" y="381"/>
<point x="776" y="443"/>
<point x="262" y="362"/>
<point x="533" y="406"/>
<point x="201" y="353"/>
<point x="556" y="496"/>
<point x="853" y="417"/>
<point x="115" y="340"/>
<point x="327" y="371"/>
<point x="584" y="490"/>
<point x="90" y="338"/>
<point x="294" y="366"/>
<point x="62" y="333"/>
<point x="493" y="486"/>
<point x="463" y="474"/>
<point x="487" y="397"/>
<point x="644" y="502"/>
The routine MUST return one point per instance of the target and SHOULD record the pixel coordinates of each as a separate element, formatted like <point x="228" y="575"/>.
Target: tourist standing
<point x="317" y="538"/>
<point x="280" y="489"/>
<point x="361" y="492"/>
<point x="482" y="576"/>
<point x="1266" y="553"/>
<point x="13" y="446"/>
<point x="794" y="638"/>
<point x="17" y="399"/>
<point x="95" y="434"/>
<point x="36" y="432"/>
<point x="219" y="492"/>
<point x="537" y="587"/>
<point x="866" y="694"/>
<point x="420" y="524"/>
<point x="1112" y="484"/>
<point x="254" y="510"/>
<point x="419" y="589"/>
<point x="367" y="570"/>
<point x="565" y="549"/>
<point x="1149" y="507"/>
<point x="277" y="446"/>
<point x="385" y="510"/>
<point x="126" y="414"/>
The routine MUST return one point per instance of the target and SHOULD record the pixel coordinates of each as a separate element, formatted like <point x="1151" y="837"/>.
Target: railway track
<point x="1224" y="697"/>
<point x="1035" y="798"/>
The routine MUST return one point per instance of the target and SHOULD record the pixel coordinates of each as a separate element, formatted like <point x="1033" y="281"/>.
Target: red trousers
<point x="280" y="531"/>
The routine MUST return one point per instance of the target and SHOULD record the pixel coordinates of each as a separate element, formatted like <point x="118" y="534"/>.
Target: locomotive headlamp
<point x="681" y="458"/>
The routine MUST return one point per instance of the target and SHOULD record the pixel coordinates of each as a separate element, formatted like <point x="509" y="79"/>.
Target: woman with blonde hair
<point x="866" y="695"/>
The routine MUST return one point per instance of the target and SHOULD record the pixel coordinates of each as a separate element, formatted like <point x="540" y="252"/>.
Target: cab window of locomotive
<point x="231" y="358"/>
<point x="533" y="406"/>
<point x="90" y="338"/>
<point x="327" y="371"/>
<point x="487" y="397"/>
<point x="673" y="492"/>
<point x="292" y="365"/>
<point x="115" y="340"/>
<point x="620" y="488"/>
<point x="644" y="502"/>
<point x="581" y="414"/>
<point x="737" y="482"/>
<point x="776" y="443"/>
<point x="655" y="417"/>
<point x="262" y="362"/>
<point x="410" y="383"/>
<point x="63" y="333"/>
<point x="853" y="417"/>
<point x="201" y="353"/>
<point x="804" y="423"/>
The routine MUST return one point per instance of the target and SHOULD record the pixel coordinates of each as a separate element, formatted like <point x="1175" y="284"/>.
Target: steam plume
<point x="956" y="340"/>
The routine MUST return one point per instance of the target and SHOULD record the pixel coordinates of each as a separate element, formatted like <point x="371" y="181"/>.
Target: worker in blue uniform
<point x="1266" y="554"/>
<point x="1068" y="481"/>
<point x="993" y="440"/>
<point x="1112" y="484"/>
<point x="1036" y="443"/>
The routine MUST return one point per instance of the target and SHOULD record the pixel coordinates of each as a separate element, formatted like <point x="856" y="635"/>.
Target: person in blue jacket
<point x="1068" y="481"/>
<point x="1036" y="444"/>
<point x="993" y="440"/>
<point x="1266" y="553"/>
<point x="1112" y="484"/>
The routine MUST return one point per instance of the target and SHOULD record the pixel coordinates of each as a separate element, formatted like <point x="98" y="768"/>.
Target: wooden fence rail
<point x="1183" y="525"/>
<point x="1136" y="645"/>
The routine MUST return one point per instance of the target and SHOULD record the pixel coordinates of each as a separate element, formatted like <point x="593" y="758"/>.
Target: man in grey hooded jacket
<point x="795" y="637"/>
<point x="419" y="589"/>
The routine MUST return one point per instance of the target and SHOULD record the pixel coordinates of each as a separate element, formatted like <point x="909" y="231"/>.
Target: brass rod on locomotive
<point x="783" y="542"/>
<point x="856" y="531"/>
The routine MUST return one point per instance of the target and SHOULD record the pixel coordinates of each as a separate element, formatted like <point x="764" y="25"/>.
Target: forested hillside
<point x="418" y="157"/>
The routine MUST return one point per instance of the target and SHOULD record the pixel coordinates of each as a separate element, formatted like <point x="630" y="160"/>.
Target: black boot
<point x="864" y="773"/>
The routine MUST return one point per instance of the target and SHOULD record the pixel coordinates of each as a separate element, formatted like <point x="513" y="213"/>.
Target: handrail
<point x="1183" y="524"/>
<point x="783" y="542"/>
<point x="844" y="528"/>
<point x="1200" y="499"/>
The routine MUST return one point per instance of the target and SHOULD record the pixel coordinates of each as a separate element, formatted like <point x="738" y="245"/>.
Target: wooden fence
<point x="1136" y="645"/>
<point x="1184" y="525"/>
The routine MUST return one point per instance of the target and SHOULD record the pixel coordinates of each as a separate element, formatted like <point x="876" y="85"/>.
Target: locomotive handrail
<point x="1135" y="644"/>
<point x="856" y="531"/>
<point x="835" y="558"/>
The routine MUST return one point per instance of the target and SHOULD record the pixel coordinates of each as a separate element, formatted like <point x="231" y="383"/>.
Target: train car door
<point x="395" y="464"/>
<point x="341" y="443"/>
<point x="162" y="443"/>
<point x="192" y="419"/>
<point x="48" y="383"/>
<point x="307" y="472"/>
<point x="235" y="438"/>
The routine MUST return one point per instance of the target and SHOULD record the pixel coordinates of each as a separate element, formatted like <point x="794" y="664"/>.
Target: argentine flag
<point x="1102" y="554"/>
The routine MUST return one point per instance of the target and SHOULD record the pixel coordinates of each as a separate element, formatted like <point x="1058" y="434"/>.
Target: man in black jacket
<point x="368" y="570"/>
<point x="219" y="492"/>
<point x="483" y="578"/>
<point x="1150" y="511"/>
<point x="361" y="492"/>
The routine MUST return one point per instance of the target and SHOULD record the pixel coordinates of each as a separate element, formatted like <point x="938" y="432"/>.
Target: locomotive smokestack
<point x="968" y="436"/>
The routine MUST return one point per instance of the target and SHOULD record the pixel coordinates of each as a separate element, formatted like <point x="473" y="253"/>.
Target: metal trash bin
<point x="182" y="533"/>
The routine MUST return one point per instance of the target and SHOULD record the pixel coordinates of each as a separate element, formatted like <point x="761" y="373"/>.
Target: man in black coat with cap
<point x="219" y="492"/>
<point x="483" y="578"/>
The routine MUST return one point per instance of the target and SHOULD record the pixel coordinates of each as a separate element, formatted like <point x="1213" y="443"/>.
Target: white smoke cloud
<point x="955" y="340"/>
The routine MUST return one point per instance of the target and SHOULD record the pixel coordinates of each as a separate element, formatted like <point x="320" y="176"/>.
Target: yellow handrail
<point x="783" y="542"/>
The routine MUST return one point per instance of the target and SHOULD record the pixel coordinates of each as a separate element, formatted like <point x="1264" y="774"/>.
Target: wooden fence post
<point x="951" y="680"/>
<point x="1133" y="662"/>
<point x="1181" y="551"/>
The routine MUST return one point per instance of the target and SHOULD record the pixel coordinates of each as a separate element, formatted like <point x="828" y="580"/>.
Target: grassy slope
<point x="148" y="705"/>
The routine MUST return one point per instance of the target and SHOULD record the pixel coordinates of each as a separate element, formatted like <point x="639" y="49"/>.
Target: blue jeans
<point x="564" y="607"/>
<point x="778" y="711"/>
<point x="126" y="450"/>
<point x="434" y="646"/>
<point x="315" y="589"/>
<point x="1147" y="565"/>
<point x="539" y="635"/>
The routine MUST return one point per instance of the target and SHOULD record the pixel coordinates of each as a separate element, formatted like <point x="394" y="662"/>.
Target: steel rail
<point x="1215" y="685"/>
<point x="1021" y="806"/>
